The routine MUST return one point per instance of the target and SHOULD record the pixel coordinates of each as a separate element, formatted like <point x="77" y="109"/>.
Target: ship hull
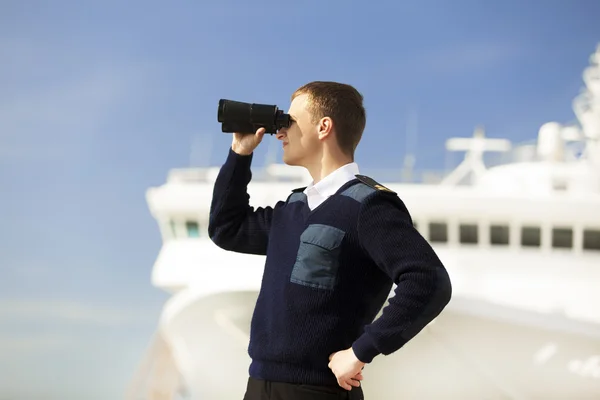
<point x="473" y="350"/>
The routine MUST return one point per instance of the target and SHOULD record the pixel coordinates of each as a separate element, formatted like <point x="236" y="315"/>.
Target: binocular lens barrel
<point x="236" y="116"/>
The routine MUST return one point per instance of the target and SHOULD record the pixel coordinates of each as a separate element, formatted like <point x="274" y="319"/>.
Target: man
<point x="334" y="249"/>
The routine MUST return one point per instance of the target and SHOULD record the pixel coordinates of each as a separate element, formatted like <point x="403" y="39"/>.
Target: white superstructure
<point x="521" y="241"/>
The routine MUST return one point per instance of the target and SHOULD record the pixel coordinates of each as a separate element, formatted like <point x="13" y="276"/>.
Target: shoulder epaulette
<point x="296" y="195"/>
<point x="373" y="183"/>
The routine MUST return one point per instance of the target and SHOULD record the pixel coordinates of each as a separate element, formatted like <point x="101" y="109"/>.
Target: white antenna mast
<point x="473" y="161"/>
<point x="271" y="155"/>
<point x="200" y="150"/>
<point x="411" y="143"/>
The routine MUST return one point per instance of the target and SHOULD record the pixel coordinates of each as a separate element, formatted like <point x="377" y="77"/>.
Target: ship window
<point x="559" y="185"/>
<point x="192" y="229"/>
<point x="173" y="228"/>
<point x="499" y="234"/>
<point x="562" y="238"/>
<point x="468" y="233"/>
<point x="531" y="236"/>
<point x="591" y="239"/>
<point x="438" y="232"/>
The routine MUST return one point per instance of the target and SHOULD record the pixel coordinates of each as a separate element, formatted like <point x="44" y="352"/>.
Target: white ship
<point x="520" y="239"/>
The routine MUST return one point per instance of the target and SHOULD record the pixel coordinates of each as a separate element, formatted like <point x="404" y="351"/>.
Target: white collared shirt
<point x="317" y="194"/>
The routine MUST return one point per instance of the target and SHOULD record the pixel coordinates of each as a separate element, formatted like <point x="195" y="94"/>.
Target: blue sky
<point x="98" y="101"/>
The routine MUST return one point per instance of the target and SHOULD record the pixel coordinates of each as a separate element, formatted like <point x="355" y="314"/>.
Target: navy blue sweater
<point x="328" y="272"/>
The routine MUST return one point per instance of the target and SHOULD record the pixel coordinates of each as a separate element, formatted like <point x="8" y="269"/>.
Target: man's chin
<point x="290" y="161"/>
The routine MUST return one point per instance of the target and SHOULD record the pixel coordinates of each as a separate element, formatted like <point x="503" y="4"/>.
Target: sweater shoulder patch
<point x="358" y="192"/>
<point x="297" y="195"/>
<point x="373" y="183"/>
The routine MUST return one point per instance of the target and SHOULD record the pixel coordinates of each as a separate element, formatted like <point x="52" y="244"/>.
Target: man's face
<point x="300" y="141"/>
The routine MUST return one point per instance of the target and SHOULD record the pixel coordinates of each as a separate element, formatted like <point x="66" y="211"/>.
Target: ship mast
<point x="587" y="108"/>
<point x="473" y="161"/>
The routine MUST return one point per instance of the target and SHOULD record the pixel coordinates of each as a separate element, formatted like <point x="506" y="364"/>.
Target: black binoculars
<point x="236" y="116"/>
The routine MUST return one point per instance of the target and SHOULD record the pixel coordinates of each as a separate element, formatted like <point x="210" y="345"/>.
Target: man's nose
<point x="281" y="134"/>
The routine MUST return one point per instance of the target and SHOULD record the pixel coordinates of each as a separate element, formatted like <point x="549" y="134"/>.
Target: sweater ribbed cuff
<point x="235" y="156"/>
<point x="238" y="166"/>
<point x="365" y="349"/>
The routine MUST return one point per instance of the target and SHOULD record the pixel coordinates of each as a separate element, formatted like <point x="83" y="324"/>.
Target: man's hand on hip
<point x="346" y="368"/>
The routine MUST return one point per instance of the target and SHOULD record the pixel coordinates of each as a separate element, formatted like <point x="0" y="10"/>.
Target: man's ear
<point x="325" y="127"/>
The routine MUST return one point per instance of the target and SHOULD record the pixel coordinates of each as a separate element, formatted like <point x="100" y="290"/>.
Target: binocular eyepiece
<point x="236" y="116"/>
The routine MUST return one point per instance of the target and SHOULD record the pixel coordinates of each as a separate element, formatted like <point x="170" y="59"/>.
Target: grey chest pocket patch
<point x="317" y="261"/>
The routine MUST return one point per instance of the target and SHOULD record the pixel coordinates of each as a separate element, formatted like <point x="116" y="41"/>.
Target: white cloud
<point x="67" y="104"/>
<point x="448" y="60"/>
<point x="467" y="57"/>
<point x="55" y="112"/>
<point x="60" y="320"/>
<point x="29" y="271"/>
<point x="70" y="312"/>
<point x="32" y="342"/>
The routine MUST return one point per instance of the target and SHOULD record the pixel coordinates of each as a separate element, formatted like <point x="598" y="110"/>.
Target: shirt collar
<point x="332" y="182"/>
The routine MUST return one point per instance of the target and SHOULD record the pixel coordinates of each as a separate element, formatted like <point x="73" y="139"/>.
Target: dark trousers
<point x="265" y="390"/>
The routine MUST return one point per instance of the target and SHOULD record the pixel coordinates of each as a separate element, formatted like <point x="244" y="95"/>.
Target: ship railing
<point x="522" y="152"/>
<point x="262" y="174"/>
<point x="527" y="152"/>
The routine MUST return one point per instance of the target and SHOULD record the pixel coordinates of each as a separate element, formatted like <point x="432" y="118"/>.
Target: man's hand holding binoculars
<point x="245" y="143"/>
